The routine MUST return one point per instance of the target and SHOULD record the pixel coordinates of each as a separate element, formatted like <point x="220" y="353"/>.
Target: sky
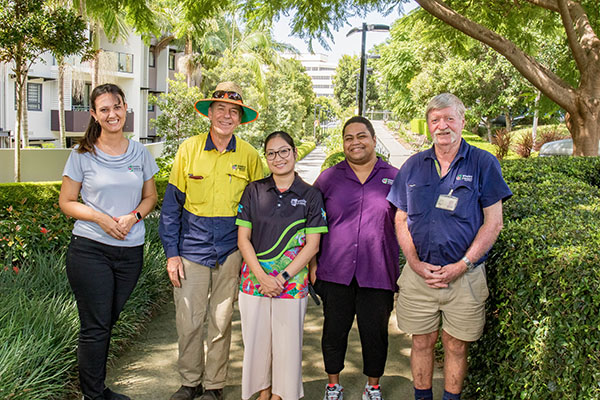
<point x="342" y="44"/>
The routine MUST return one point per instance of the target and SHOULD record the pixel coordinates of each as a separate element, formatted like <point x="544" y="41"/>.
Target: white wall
<point x="40" y="165"/>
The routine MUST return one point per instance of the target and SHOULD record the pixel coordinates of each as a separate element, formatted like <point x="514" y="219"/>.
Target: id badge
<point x="447" y="202"/>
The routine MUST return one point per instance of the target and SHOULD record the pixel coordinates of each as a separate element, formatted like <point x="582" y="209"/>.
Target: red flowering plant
<point x="26" y="226"/>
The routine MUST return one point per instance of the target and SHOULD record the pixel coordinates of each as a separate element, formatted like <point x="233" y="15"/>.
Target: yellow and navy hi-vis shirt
<point x="198" y="213"/>
<point x="280" y="222"/>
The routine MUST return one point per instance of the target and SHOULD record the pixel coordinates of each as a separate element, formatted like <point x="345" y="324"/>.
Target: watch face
<point x="138" y="216"/>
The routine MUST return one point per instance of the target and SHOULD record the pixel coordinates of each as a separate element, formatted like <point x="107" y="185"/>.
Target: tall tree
<point x="28" y="28"/>
<point x="114" y="19"/>
<point x="579" y="19"/>
<point x="345" y="83"/>
<point x="79" y="44"/>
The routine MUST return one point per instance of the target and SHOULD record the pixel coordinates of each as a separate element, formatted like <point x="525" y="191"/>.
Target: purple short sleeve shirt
<point x="361" y="241"/>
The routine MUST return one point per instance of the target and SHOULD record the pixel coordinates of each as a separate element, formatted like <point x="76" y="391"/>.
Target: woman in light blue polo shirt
<point x="114" y="176"/>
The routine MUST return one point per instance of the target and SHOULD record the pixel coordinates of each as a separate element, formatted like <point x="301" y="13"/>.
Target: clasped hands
<point x="117" y="227"/>
<point x="439" y="276"/>
<point x="271" y="286"/>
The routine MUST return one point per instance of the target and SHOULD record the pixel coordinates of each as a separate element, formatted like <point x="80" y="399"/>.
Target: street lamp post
<point x="362" y="90"/>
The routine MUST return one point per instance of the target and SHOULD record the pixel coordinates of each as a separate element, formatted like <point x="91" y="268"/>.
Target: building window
<point x="81" y="99"/>
<point x="172" y="61"/>
<point x="125" y="62"/>
<point x="151" y="58"/>
<point x="150" y="107"/>
<point x="34" y="97"/>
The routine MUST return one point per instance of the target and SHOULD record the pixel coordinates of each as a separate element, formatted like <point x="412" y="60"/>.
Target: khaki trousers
<point x="206" y="294"/>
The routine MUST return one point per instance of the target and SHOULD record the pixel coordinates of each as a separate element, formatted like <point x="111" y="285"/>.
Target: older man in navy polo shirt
<point x="358" y="263"/>
<point x="449" y="201"/>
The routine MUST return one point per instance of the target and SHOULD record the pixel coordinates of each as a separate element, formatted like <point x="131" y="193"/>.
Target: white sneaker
<point x="334" y="392"/>
<point x="372" y="393"/>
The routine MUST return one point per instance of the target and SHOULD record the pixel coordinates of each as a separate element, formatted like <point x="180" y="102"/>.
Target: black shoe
<point x="187" y="393"/>
<point x="110" y="395"/>
<point x="212" y="394"/>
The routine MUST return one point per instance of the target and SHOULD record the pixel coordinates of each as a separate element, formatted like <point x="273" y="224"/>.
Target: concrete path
<point x="309" y="167"/>
<point x="148" y="370"/>
<point x="385" y="138"/>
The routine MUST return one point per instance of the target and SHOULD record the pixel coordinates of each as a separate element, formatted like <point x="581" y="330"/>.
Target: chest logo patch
<point x="238" y="167"/>
<point x="297" y="202"/>
<point x="387" y="181"/>
<point x="466" y="178"/>
<point x="134" y="168"/>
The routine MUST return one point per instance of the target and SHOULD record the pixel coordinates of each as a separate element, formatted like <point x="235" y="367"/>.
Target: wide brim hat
<point x="249" y="114"/>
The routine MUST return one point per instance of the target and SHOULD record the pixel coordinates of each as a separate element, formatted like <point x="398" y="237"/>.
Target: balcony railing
<point x="77" y="121"/>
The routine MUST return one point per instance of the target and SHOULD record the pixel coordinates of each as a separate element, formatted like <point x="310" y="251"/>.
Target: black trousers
<point x="372" y="308"/>
<point x="102" y="278"/>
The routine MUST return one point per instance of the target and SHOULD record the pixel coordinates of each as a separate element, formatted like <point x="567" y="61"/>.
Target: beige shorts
<point x="461" y="305"/>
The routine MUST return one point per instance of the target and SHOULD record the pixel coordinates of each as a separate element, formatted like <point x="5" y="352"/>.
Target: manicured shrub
<point x="542" y="335"/>
<point x="30" y="219"/>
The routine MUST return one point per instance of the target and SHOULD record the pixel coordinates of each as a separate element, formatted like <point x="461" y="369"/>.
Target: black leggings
<point x="372" y="308"/>
<point x="102" y="278"/>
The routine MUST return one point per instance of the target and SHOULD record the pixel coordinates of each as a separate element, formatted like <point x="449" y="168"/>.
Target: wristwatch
<point x="470" y="265"/>
<point x="285" y="275"/>
<point x="137" y="215"/>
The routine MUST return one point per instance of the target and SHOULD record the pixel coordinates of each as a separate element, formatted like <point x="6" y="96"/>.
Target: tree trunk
<point x="19" y="89"/>
<point x="535" y="117"/>
<point x="508" y="120"/>
<point x="188" y="53"/>
<point x="585" y="129"/>
<point x="61" y="103"/>
<point x="96" y="60"/>
<point x="24" y="113"/>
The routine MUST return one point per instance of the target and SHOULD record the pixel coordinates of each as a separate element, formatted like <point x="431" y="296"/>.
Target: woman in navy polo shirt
<point x="280" y="221"/>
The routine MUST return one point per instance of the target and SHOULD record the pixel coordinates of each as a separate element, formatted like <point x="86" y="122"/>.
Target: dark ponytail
<point x="92" y="133"/>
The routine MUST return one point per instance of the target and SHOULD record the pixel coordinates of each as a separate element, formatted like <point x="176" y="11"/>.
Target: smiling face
<point x="446" y="126"/>
<point x="224" y="118"/>
<point x="281" y="158"/>
<point x="110" y="112"/>
<point x="359" y="145"/>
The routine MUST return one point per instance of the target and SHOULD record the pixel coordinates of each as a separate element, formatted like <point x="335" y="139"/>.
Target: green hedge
<point x="38" y="316"/>
<point x="542" y="336"/>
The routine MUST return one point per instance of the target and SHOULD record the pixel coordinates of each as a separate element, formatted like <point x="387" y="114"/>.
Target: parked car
<point x="562" y="147"/>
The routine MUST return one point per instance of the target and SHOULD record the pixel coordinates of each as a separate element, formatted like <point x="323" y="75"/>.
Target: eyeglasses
<point x="222" y="94"/>
<point x="283" y="153"/>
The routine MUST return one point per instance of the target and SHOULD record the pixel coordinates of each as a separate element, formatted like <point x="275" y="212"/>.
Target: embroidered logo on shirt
<point x="387" y="181"/>
<point x="240" y="208"/>
<point x="298" y="202"/>
<point x="192" y="176"/>
<point x="237" y="167"/>
<point x="324" y="215"/>
<point x="133" y="168"/>
<point x="466" y="178"/>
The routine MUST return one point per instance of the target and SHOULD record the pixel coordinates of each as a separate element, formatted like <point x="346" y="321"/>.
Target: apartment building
<point x="138" y="69"/>
<point x="321" y="72"/>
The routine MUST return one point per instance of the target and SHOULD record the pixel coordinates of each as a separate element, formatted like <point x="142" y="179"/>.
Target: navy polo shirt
<point x="440" y="236"/>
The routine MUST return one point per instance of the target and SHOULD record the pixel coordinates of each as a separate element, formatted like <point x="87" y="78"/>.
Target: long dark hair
<point x="92" y="133"/>
<point x="284" y="135"/>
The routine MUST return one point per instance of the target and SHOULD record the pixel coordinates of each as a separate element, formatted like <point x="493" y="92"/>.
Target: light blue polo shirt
<point x="113" y="186"/>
